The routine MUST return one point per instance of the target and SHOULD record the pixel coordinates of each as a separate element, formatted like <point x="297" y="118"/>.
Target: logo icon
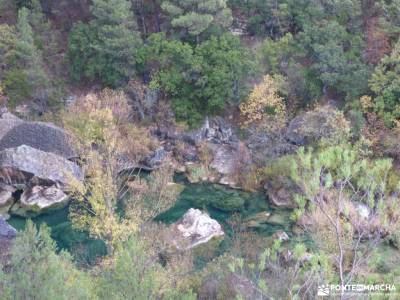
<point x="323" y="290"/>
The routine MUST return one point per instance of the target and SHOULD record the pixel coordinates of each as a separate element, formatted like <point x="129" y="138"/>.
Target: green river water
<point x="204" y="196"/>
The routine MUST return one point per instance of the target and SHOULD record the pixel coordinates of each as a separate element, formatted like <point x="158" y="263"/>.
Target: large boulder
<point x="26" y="164"/>
<point x="266" y="145"/>
<point x="193" y="229"/>
<point x="265" y="218"/>
<point x="39" y="199"/>
<point x="42" y="136"/>
<point x="257" y="220"/>
<point x="7" y="235"/>
<point x="35" y="169"/>
<point x="224" y="159"/>
<point x="323" y="122"/>
<point x="8" y="122"/>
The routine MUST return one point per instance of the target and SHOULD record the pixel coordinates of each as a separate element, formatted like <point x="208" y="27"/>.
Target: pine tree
<point x="26" y="50"/>
<point x="135" y="274"/>
<point x="37" y="272"/>
<point x="385" y="83"/>
<point x="26" y="78"/>
<point x="8" y="38"/>
<point x="43" y="35"/>
<point x="118" y="41"/>
<point x="195" y="17"/>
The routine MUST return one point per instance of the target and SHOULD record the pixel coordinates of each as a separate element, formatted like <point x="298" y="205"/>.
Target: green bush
<point x="200" y="80"/>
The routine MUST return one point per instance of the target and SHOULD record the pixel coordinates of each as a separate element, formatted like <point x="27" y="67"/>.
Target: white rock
<point x="195" y="228"/>
<point x="281" y="235"/>
<point x="363" y="210"/>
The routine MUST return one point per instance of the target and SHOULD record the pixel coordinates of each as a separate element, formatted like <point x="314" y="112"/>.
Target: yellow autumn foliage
<point x="366" y="103"/>
<point x="99" y="127"/>
<point x="264" y="100"/>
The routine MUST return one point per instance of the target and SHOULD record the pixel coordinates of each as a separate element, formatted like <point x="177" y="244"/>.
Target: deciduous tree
<point x="264" y="100"/>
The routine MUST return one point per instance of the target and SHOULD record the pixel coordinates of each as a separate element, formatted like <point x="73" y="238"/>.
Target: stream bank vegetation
<point x="310" y="91"/>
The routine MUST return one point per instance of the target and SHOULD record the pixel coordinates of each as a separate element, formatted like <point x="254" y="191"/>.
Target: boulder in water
<point x="279" y="218"/>
<point x="195" y="228"/>
<point x="280" y="192"/>
<point x="35" y="169"/>
<point x="39" y="199"/>
<point x="257" y="220"/>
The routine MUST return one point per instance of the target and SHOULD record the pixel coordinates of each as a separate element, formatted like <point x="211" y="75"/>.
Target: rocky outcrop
<point x="154" y="160"/>
<point x="38" y="199"/>
<point x="264" y="144"/>
<point x="323" y="122"/>
<point x="142" y="99"/>
<point x="35" y="170"/>
<point x="227" y="152"/>
<point x="39" y="177"/>
<point x="216" y="136"/>
<point x="193" y="229"/>
<point x="7" y="235"/>
<point x="215" y="130"/>
<point x="29" y="165"/>
<point x="42" y="136"/>
<point x="224" y="163"/>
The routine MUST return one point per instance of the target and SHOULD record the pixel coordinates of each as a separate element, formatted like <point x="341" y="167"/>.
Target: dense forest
<point x="199" y="149"/>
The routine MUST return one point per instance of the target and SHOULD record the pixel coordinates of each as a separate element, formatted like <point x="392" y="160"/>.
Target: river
<point x="219" y="201"/>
